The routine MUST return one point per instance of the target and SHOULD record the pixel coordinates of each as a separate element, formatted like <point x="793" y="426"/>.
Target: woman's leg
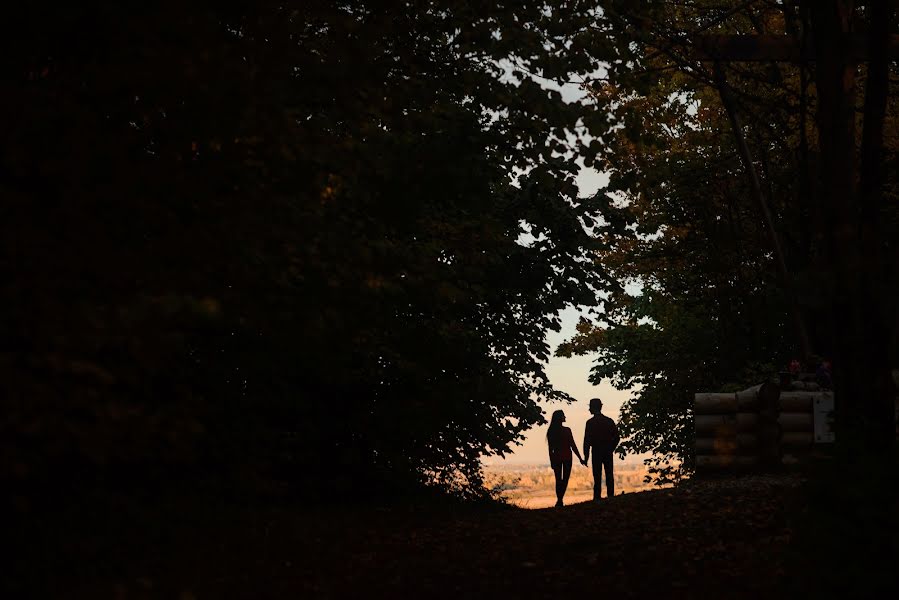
<point x="557" y="469"/>
<point x="566" y="475"/>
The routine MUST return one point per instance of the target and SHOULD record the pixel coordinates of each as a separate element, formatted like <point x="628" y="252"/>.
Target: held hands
<point x="584" y="461"/>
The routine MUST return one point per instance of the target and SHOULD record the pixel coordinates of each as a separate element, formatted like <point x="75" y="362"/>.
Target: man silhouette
<point x="601" y="434"/>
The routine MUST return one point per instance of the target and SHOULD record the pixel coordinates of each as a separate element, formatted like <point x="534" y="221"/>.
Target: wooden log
<point x="711" y="403"/>
<point x="714" y="403"/>
<point x="726" y="424"/>
<point x="716" y="445"/>
<point x="806" y="386"/>
<point x="751" y="391"/>
<point x="797" y="439"/>
<point x="796" y="401"/>
<point x="741" y="443"/>
<point x="716" y="425"/>
<point x="795" y="422"/>
<point x="714" y="461"/>
<point x="704" y="445"/>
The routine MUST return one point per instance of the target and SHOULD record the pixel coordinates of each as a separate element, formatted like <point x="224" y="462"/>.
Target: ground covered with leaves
<point x="717" y="537"/>
<point x="725" y="537"/>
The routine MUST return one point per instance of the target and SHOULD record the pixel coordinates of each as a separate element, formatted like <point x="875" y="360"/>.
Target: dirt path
<point x="726" y="537"/>
<point x="708" y="540"/>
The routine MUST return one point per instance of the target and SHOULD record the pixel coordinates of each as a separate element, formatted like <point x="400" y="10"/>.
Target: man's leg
<point x="597" y="477"/>
<point x="610" y="476"/>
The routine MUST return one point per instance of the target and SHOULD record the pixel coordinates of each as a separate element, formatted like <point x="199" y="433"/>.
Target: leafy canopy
<point x="289" y="234"/>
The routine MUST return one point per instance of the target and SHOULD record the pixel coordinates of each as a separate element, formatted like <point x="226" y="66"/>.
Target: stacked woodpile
<point x="736" y="429"/>
<point x="760" y="426"/>
<point x="764" y="426"/>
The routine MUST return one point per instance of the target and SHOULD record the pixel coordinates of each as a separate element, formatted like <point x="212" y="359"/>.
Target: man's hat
<point x="595" y="403"/>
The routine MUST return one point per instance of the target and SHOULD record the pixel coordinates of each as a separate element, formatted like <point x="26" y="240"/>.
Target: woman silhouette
<point x="561" y="443"/>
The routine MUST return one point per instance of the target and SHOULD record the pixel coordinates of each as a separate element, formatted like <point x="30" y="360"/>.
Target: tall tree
<point x="833" y="247"/>
<point x="324" y="235"/>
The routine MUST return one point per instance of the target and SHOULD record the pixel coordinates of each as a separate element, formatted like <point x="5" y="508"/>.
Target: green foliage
<point x="285" y="234"/>
<point x="682" y="226"/>
<point x="682" y="223"/>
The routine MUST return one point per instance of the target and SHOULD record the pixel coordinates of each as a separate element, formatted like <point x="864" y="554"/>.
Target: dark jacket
<point x="601" y="434"/>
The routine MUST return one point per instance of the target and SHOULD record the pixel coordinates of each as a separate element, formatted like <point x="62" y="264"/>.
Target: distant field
<point x="533" y="486"/>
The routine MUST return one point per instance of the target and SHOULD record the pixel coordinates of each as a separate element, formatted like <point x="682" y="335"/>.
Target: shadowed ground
<point x="726" y="537"/>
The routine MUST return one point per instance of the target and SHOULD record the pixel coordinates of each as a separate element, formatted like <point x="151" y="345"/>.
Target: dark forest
<point x="277" y="277"/>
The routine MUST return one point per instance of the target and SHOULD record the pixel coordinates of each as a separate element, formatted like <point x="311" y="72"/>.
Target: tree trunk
<point x="878" y="409"/>
<point x="855" y="249"/>
<point x="759" y="197"/>
<point x="858" y="485"/>
<point x="835" y="81"/>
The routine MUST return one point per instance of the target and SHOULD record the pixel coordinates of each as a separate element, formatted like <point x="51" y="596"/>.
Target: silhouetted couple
<point x="600" y="435"/>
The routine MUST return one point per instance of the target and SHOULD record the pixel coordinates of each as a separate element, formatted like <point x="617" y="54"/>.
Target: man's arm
<point x="587" y="442"/>
<point x="615" y="437"/>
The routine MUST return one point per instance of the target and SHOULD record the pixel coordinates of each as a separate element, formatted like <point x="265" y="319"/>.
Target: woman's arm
<point x="574" y="446"/>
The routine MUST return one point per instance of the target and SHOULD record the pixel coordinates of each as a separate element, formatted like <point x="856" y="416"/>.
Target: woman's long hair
<point x="554" y="433"/>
